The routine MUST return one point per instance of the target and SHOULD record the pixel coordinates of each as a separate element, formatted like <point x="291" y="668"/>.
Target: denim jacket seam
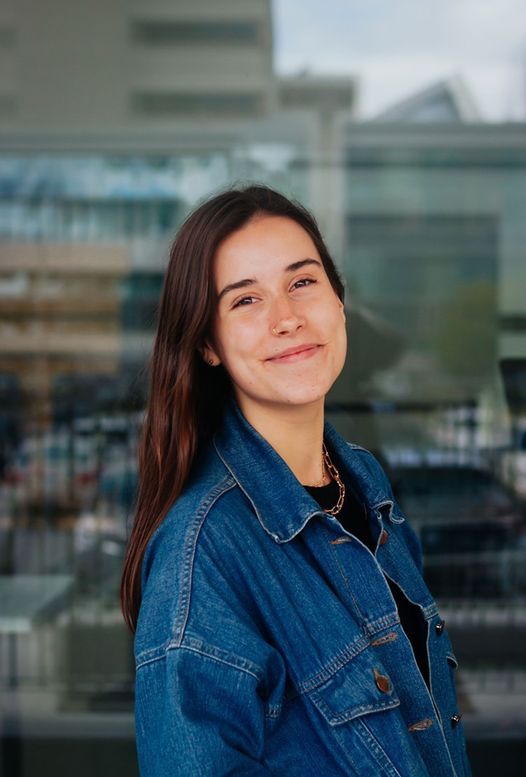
<point x="349" y="653"/>
<point x="221" y="660"/>
<point x="430" y="610"/>
<point x="201" y="513"/>
<point x="211" y="650"/>
<point x="161" y="655"/>
<point x="146" y="660"/>
<point x="340" y="566"/>
<point x="149" y="655"/>
<point x="334" y="665"/>
<point x="275" y="537"/>
<point x="372" y="627"/>
<point x="242" y="489"/>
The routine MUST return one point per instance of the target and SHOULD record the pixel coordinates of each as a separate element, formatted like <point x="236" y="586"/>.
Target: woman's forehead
<point x="266" y="244"/>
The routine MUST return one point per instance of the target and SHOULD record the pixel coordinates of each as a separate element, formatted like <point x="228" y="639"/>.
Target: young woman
<point x="282" y="623"/>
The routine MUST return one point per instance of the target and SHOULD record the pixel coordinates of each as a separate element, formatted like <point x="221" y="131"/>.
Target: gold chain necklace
<point x="336" y="475"/>
<point x="333" y="472"/>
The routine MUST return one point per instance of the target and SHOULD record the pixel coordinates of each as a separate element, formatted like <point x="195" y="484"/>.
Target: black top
<point x="353" y="518"/>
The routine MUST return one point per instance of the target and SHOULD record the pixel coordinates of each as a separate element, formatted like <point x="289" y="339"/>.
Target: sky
<point x="397" y="47"/>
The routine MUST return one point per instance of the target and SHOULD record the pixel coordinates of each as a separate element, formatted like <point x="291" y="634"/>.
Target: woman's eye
<point x="248" y="300"/>
<point x="304" y="282"/>
<point x="241" y="302"/>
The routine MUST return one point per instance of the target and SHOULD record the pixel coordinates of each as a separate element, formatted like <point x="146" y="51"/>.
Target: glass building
<point x="112" y="128"/>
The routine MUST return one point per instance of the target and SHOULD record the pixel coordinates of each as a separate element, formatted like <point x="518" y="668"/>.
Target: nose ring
<point x="274" y="330"/>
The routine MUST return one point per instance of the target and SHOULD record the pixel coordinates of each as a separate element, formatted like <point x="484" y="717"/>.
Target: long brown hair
<point x="186" y="397"/>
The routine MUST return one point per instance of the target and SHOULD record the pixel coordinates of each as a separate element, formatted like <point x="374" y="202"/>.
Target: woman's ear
<point x="209" y="355"/>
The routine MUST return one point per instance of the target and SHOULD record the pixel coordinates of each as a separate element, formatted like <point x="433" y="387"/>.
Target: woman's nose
<point x="285" y="317"/>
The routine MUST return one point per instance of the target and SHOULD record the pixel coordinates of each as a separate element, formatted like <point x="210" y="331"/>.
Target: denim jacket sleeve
<point x="198" y="715"/>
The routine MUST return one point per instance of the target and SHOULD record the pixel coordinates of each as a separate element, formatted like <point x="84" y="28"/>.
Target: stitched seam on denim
<point x="225" y="462"/>
<point x="431" y="684"/>
<point x="208" y="650"/>
<point x="173" y="646"/>
<point x="151" y="654"/>
<point x="311" y="683"/>
<point x="224" y="485"/>
<point x="151" y="660"/>
<point x="201" y="514"/>
<point x="427" y="690"/>
<point x="213" y="651"/>
<point x="275" y="537"/>
<point x="454" y="772"/>
<point x="430" y="611"/>
<point x="430" y="693"/>
<point x="369" y="739"/>
<point x="430" y="690"/>
<point x="306" y="521"/>
<point x="336" y="555"/>
<point x="213" y="658"/>
<point x="372" y="627"/>
<point x="353" y="712"/>
<point x="397" y="516"/>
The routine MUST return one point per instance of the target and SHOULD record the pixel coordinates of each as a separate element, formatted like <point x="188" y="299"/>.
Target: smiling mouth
<point x="303" y="353"/>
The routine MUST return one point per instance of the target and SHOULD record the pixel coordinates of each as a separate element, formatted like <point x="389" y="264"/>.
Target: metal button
<point x="384" y="536"/>
<point x="382" y="681"/>
<point x="455" y="720"/>
<point x="439" y="628"/>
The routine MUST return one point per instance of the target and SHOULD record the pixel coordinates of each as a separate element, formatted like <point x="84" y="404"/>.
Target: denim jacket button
<point x="382" y="682"/>
<point x="439" y="628"/>
<point x="384" y="536"/>
<point x="455" y="720"/>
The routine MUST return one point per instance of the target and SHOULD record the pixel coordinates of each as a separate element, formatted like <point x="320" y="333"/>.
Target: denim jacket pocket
<point x="358" y="688"/>
<point x="361" y="705"/>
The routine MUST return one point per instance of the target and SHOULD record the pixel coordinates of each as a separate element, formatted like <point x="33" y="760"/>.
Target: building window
<point x="158" y="33"/>
<point x="181" y="104"/>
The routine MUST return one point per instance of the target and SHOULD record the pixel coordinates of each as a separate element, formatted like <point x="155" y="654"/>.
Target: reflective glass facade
<point x="426" y="222"/>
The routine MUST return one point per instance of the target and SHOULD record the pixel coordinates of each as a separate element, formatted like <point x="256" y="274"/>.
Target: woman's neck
<point x="296" y="434"/>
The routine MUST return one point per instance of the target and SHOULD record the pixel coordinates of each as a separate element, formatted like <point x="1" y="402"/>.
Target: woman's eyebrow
<point x="250" y="281"/>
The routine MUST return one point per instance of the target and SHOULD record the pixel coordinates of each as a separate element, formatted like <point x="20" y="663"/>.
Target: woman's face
<point x="274" y="296"/>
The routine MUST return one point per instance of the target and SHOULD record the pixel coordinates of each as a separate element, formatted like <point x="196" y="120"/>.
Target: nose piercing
<point x="274" y="330"/>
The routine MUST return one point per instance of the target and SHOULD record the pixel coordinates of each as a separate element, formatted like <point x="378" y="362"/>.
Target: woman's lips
<point x="306" y="353"/>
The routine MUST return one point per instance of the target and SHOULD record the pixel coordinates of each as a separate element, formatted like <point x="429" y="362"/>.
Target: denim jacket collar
<point x="282" y="505"/>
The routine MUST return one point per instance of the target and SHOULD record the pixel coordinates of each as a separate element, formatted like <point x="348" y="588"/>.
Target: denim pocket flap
<point x="360" y="687"/>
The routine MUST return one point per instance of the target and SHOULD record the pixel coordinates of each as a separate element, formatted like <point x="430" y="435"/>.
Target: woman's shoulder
<point x="211" y="489"/>
<point x="189" y="559"/>
<point x="184" y="520"/>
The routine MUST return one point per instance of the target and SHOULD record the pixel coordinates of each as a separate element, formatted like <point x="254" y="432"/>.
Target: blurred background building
<point x="116" y="119"/>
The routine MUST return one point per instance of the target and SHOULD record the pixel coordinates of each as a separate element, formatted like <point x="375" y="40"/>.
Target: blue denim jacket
<point x="268" y="641"/>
